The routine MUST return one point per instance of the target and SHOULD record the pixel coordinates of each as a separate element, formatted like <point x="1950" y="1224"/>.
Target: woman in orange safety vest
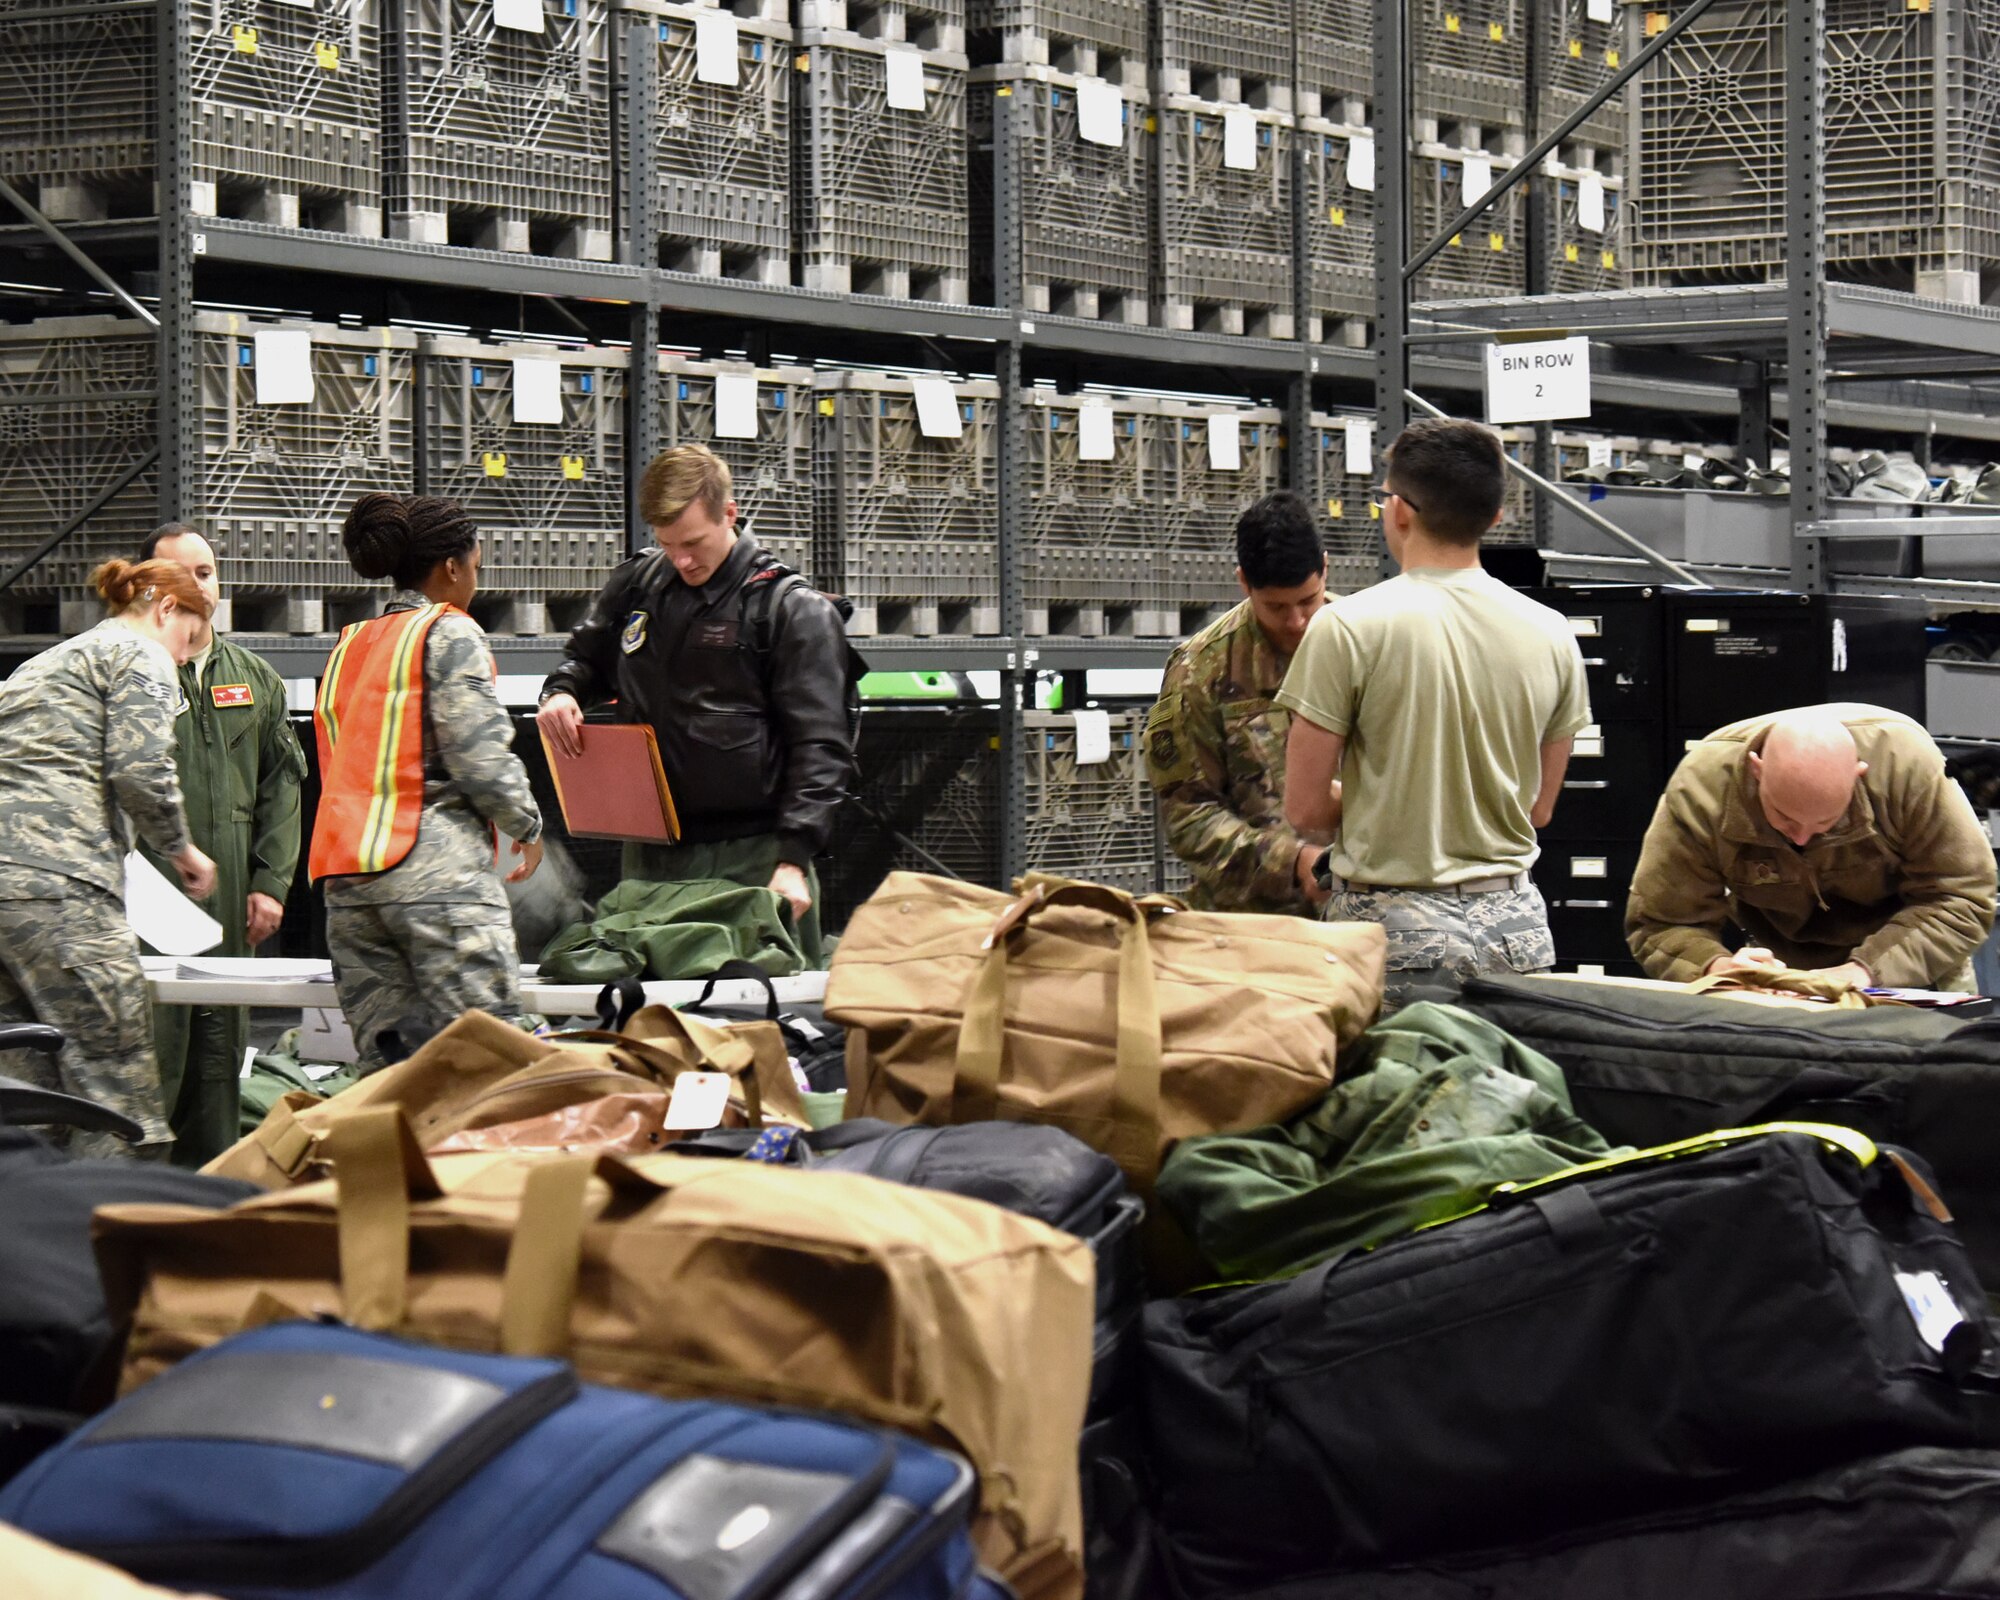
<point x="417" y="772"/>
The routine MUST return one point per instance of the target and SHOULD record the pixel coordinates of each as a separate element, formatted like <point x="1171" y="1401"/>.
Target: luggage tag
<point x="699" y="1101"/>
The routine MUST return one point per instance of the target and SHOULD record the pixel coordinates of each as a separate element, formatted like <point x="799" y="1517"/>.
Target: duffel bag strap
<point x="1136" y="1080"/>
<point x="539" y="1289"/>
<point x="1836" y="992"/>
<point x="377" y="1166"/>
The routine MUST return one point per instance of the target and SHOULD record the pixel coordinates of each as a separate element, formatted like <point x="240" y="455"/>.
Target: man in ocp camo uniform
<point x="1215" y="740"/>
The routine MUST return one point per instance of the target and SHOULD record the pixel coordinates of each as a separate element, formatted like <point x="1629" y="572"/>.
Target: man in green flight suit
<point x="240" y="768"/>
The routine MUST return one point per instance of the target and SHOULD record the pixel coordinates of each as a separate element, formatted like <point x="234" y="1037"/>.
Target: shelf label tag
<point x="736" y="405"/>
<point x="1360" y="453"/>
<point x="523" y="16"/>
<point x="1225" y="442"/>
<point x="1477" y="180"/>
<point x="1598" y="452"/>
<point x="1239" y="138"/>
<point x="1597" y="10"/>
<point x="937" y="409"/>
<point x="1100" y="112"/>
<point x="538" y="391"/>
<point x="1590" y="203"/>
<point x="1361" y="162"/>
<point x="1543" y="381"/>
<point x="1093" y="738"/>
<point x="283" y="359"/>
<point x="715" y="59"/>
<point x="1094" y="440"/>
<point x="904" y="78"/>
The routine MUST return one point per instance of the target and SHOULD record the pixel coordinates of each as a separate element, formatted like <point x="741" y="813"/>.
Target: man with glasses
<point x="1445" y="703"/>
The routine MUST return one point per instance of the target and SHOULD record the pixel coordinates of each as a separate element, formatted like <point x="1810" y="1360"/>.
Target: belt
<point x="1501" y="884"/>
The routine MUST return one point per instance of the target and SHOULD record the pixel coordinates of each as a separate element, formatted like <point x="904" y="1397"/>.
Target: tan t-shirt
<point x="1446" y="684"/>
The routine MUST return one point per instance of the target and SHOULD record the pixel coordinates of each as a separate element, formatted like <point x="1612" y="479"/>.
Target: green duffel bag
<point x="276" y="1073"/>
<point x="676" y="930"/>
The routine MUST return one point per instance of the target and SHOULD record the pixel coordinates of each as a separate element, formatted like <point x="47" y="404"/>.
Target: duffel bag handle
<point x="379" y="1168"/>
<point x="739" y="970"/>
<point x="1839" y="994"/>
<point x="982" y="1034"/>
<point x="715" y="1049"/>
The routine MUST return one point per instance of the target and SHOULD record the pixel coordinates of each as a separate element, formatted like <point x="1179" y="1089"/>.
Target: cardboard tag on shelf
<point x="523" y="16"/>
<point x="937" y="409"/>
<point x="1239" y="138"/>
<point x="1225" y="442"/>
<point x="715" y="52"/>
<point x="1100" y="112"/>
<point x="904" y="77"/>
<point x="1360" y="453"/>
<point x="1361" y="162"/>
<point x="1094" y="437"/>
<point x="284" y="367"/>
<point x="538" y="391"/>
<point x="736" y="405"/>
<point x="1590" y="203"/>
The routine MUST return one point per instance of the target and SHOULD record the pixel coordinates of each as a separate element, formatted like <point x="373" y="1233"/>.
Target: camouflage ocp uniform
<point x="1215" y="751"/>
<point x="432" y="937"/>
<point x="86" y="742"/>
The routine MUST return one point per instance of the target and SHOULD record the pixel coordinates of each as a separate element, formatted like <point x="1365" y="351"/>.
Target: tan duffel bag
<point x="1130" y="1023"/>
<point x="32" y="1570"/>
<point x="481" y="1072"/>
<point x="942" y="1316"/>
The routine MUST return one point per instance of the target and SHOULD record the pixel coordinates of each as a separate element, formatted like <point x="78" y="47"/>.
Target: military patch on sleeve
<point x="634" y="636"/>
<point x="1166" y="752"/>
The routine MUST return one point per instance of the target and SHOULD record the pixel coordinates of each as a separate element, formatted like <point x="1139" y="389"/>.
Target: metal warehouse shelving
<point x="1813" y="354"/>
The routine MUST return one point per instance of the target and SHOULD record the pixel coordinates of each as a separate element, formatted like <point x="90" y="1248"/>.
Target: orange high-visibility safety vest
<point x="370" y="721"/>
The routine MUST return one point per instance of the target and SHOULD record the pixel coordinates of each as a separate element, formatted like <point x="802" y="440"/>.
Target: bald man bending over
<point x="1831" y="838"/>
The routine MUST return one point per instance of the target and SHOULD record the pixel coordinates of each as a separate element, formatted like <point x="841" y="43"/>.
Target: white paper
<point x="698" y="1101"/>
<point x="1598" y="452"/>
<point x="1239" y="138"/>
<point x="937" y="409"/>
<point x="324" y="1035"/>
<point x="1931" y="1306"/>
<point x="715" y="58"/>
<point x="1478" y="178"/>
<point x="523" y="16"/>
<point x="736" y="405"/>
<point x="162" y="916"/>
<point x="1597" y="10"/>
<point x="1544" y="380"/>
<point x="257" y="969"/>
<point x="905" y="77"/>
<point x="1225" y="442"/>
<point x="1590" y="203"/>
<point x="1094" y="434"/>
<point x="284" y="361"/>
<point x="1093" y="738"/>
<point x="1100" y="112"/>
<point x="1361" y="162"/>
<point x="1692" y="460"/>
<point x="538" y="390"/>
<point x="1360" y="460"/>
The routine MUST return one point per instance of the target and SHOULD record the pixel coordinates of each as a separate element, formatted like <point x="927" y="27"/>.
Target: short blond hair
<point x="686" y="475"/>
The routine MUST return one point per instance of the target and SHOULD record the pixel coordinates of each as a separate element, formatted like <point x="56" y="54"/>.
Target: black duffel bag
<point x="1919" y="1523"/>
<point x="54" y="1329"/>
<point x="1648" y="1331"/>
<point x="1647" y="1066"/>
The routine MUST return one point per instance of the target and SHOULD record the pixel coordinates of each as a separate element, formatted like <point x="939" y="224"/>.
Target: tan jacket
<point x="1903" y="884"/>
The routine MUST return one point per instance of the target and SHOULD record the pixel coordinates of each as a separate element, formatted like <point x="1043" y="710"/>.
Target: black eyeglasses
<point x="1383" y="493"/>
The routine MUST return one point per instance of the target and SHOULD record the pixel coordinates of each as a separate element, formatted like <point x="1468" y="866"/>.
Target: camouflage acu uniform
<point x="417" y="945"/>
<point x="1438" y="938"/>
<point x="86" y="743"/>
<point x="1215" y="750"/>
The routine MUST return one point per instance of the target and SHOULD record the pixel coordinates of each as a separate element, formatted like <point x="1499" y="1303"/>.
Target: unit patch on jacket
<point x="634" y="637"/>
<point x="232" y="694"/>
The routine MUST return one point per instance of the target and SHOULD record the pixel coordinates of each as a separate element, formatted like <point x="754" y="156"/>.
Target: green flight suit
<point x="240" y="768"/>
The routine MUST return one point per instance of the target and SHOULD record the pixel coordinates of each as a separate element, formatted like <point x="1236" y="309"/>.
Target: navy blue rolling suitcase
<point x="311" y="1459"/>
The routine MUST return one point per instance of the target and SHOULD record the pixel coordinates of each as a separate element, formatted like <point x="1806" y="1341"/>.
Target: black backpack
<point x="761" y="592"/>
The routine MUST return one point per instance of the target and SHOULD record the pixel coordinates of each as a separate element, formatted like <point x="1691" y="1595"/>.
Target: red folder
<point x="617" y="788"/>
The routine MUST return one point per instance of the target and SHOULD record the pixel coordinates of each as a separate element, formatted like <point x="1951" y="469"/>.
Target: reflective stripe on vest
<point x="370" y="723"/>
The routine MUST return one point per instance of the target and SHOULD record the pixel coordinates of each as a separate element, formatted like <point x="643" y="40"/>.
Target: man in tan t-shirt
<point x="1445" y="703"/>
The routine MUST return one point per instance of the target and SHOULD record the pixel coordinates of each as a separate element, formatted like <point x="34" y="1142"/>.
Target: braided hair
<point x="405" y="536"/>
